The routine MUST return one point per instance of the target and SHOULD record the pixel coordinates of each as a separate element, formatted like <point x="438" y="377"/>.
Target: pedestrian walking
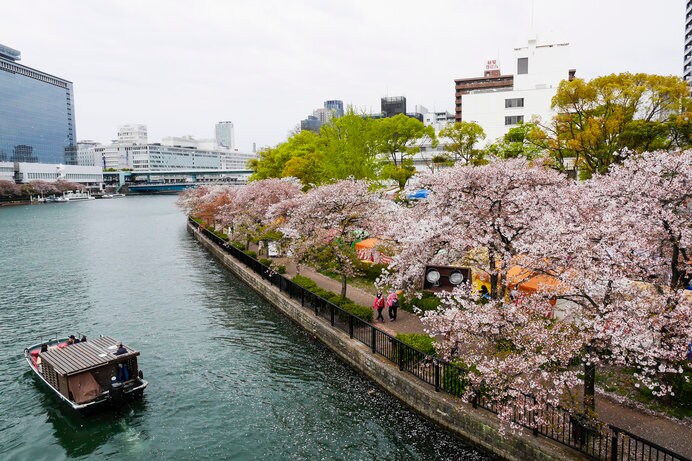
<point x="378" y="304"/>
<point x="393" y="304"/>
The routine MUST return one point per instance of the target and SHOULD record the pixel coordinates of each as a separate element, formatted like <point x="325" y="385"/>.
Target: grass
<point x="621" y="381"/>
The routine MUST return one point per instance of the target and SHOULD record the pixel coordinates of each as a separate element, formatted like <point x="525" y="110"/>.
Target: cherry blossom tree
<point x="8" y="188"/>
<point x="206" y="202"/>
<point x="486" y="209"/>
<point x="246" y="213"/>
<point x="323" y="225"/>
<point x="619" y="244"/>
<point x="43" y="188"/>
<point x="616" y="247"/>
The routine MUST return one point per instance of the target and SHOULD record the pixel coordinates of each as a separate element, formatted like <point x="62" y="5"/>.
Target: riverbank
<point x="478" y="427"/>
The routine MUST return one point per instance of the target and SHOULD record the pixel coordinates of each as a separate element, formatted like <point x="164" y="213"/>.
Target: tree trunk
<point x="589" y="387"/>
<point x="343" y="287"/>
<point x="494" y="278"/>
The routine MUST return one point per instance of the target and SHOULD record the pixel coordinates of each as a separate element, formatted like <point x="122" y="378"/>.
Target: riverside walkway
<point x="676" y="435"/>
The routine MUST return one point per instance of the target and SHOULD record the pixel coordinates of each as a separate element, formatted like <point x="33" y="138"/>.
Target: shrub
<point x="422" y="342"/>
<point x="428" y="302"/>
<point x="371" y="271"/>
<point x="250" y="253"/>
<point x="280" y="269"/>
<point x="265" y="261"/>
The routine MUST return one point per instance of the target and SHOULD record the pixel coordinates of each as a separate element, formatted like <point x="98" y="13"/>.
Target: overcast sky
<point x="181" y="66"/>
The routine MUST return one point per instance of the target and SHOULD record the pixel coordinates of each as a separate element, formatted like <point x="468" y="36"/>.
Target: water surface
<point x="230" y="377"/>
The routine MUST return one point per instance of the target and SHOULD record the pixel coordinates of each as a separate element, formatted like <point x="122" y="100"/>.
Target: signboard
<point x="445" y="278"/>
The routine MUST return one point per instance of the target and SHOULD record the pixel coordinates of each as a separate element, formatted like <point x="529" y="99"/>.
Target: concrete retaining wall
<point x="477" y="426"/>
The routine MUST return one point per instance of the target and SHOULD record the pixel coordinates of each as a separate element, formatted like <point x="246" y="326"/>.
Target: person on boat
<point x="83" y="339"/>
<point x="121" y="349"/>
<point x="70" y="340"/>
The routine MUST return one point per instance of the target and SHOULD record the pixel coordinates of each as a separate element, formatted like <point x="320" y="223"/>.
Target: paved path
<point x="676" y="436"/>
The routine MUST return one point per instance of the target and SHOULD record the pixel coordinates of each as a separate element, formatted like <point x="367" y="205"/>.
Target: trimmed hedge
<point x="420" y="341"/>
<point x="251" y="253"/>
<point x="428" y="302"/>
<point x="362" y="312"/>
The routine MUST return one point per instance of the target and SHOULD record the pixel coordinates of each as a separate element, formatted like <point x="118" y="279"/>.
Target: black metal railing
<point x="596" y="439"/>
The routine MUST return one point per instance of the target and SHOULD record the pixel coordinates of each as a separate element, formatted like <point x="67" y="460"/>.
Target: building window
<point x="514" y="102"/>
<point x="514" y="119"/>
<point x="522" y="66"/>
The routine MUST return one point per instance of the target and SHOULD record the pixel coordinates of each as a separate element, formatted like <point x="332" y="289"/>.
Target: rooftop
<point x="85" y="355"/>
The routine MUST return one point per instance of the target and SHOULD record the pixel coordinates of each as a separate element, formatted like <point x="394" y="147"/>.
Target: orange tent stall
<point x="367" y="251"/>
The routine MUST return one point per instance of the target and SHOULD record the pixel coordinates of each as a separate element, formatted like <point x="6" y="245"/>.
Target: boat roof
<point x="83" y="356"/>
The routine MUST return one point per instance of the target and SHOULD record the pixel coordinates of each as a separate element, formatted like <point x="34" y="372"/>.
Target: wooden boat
<point x="88" y="374"/>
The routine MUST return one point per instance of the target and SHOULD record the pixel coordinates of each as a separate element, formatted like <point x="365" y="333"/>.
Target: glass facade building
<point x="37" y="123"/>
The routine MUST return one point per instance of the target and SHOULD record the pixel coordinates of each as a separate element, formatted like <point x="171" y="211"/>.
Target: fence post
<point x="350" y="325"/>
<point x="373" y="338"/>
<point x="614" y="445"/>
<point x="302" y="296"/>
<point x="331" y="313"/>
<point x="437" y="376"/>
<point x="317" y="312"/>
<point x="400" y="354"/>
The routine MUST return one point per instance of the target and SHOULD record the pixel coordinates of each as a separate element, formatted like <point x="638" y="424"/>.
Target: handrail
<point x="598" y="440"/>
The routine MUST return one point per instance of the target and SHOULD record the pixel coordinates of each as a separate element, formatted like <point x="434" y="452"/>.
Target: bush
<point x="280" y="269"/>
<point x="265" y="261"/>
<point x="428" y="302"/>
<point x="250" y="253"/>
<point x="371" y="271"/>
<point x="422" y="342"/>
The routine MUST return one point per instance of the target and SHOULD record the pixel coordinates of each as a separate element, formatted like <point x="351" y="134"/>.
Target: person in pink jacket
<point x="393" y="304"/>
<point x="378" y="304"/>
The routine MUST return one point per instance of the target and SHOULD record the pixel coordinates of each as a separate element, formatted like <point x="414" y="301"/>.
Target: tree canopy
<point x="352" y="146"/>
<point x="603" y="121"/>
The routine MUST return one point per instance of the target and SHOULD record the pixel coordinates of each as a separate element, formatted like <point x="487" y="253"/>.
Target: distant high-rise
<point x="132" y="135"/>
<point x="335" y="106"/>
<point x="225" y="136"/>
<point x="687" y="61"/>
<point x="37" y="122"/>
<point x="391" y="106"/>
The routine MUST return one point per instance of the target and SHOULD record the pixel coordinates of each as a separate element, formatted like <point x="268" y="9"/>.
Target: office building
<point x="225" y="135"/>
<point x="36" y="113"/>
<point x="538" y="70"/>
<point x="335" y="107"/>
<point x="492" y="79"/>
<point x="37" y="125"/>
<point x="132" y="151"/>
<point x="391" y="106"/>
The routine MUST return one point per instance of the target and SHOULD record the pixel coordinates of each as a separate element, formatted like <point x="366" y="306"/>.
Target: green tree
<point x="398" y="139"/>
<point x="461" y="139"/>
<point x="603" y="121"/>
<point x="516" y="143"/>
<point x="350" y="150"/>
<point x="272" y="162"/>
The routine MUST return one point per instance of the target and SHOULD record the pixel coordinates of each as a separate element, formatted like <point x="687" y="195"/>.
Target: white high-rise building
<point x="538" y="70"/>
<point x="225" y="136"/>
<point x="132" y="134"/>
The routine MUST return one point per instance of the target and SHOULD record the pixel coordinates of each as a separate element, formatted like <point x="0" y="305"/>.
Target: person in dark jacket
<point x="121" y="349"/>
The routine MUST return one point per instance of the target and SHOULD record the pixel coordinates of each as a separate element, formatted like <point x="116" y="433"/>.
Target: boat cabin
<point x="83" y="371"/>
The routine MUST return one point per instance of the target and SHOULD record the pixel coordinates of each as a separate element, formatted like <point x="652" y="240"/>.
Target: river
<point x="229" y="377"/>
